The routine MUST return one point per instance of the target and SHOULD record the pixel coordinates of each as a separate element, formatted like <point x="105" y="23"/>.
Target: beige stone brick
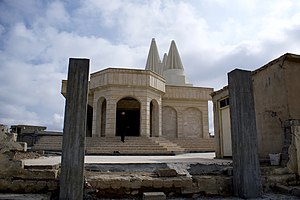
<point x="157" y="183"/>
<point x="167" y="183"/>
<point x="147" y="183"/>
<point x="177" y="182"/>
<point x="135" y="183"/>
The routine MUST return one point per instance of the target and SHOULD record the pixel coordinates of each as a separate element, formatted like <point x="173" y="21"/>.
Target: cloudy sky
<point x="212" y="36"/>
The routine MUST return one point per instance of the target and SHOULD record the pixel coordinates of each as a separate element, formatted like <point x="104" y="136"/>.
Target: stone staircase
<point x="193" y="145"/>
<point x="132" y="145"/>
<point x="107" y="146"/>
<point x="170" y="146"/>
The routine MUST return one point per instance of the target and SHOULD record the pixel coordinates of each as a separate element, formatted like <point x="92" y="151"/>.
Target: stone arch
<point x="101" y="117"/>
<point x="169" y="122"/>
<point x="154" y="118"/>
<point x="192" y="123"/>
<point x="128" y="115"/>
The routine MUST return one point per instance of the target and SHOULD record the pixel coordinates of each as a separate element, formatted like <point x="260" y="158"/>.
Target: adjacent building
<point x="276" y="87"/>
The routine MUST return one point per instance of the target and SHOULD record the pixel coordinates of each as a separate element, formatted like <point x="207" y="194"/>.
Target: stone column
<point x="246" y="171"/>
<point x="111" y="114"/>
<point x="95" y="132"/>
<point x="145" y="118"/>
<point x="72" y="163"/>
<point x="159" y="118"/>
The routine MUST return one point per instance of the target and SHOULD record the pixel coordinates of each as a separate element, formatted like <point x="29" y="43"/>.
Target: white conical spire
<point x="153" y="61"/>
<point x="164" y="62"/>
<point x="173" y="69"/>
<point x="173" y="59"/>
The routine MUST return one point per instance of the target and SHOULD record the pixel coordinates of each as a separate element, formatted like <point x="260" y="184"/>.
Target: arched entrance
<point x="128" y="117"/>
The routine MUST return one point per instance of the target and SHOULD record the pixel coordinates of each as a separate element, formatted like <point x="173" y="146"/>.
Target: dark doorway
<point x="89" y="121"/>
<point x="128" y="117"/>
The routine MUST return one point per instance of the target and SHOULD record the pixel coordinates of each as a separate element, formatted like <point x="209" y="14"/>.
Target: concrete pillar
<point x="246" y="171"/>
<point x="111" y="117"/>
<point x="95" y="130"/>
<point x="145" y="118"/>
<point x="72" y="163"/>
<point x="159" y="118"/>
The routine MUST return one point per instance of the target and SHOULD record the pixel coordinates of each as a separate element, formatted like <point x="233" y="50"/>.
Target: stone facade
<point x="153" y="105"/>
<point x="276" y="97"/>
<point x="115" y="90"/>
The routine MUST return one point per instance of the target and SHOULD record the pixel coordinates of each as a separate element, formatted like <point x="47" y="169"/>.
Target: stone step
<point x="195" y="144"/>
<point x="106" y="145"/>
<point x="178" y="145"/>
<point x="170" y="146"/>
<point x="128" y="147"/>
<point x="130" y="152"/>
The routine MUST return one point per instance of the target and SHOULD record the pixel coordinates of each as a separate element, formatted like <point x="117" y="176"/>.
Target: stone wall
<point x="271" y="107"/>
<point x="293" y="140"/>
<point x="187" y="108"/>
<point x="13" y="176"/>
<point x="127" y="77"/>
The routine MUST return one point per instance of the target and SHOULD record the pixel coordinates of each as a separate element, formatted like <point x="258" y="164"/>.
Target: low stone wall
<point x="14" y="178"/>
<point x="201" y="180"/>
<point x="189" y="180"/>
<point x="120" y="186"/>
<point x="28" y="186"/>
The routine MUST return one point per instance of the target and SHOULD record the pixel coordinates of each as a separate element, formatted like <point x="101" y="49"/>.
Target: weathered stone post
<point x="246" y="170"/>
<point x="72" y="163"/>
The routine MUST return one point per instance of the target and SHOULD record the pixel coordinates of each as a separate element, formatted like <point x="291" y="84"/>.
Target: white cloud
<point x="212" y="36"/>
<point x="56" y="14"/>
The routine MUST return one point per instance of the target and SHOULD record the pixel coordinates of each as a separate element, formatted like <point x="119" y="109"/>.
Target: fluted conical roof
<point x="164" y="62"/>
<point x="153" y="61"/>
<point x="173" y="59"/>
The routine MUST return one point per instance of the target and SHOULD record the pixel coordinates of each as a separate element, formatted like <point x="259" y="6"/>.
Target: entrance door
<point x="128" y="122"/>
<point x="226" y="131"/>
<point x="128" y="117"/>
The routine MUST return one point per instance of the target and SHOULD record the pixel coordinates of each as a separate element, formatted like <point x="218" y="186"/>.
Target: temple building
<point x="155" y="102"/>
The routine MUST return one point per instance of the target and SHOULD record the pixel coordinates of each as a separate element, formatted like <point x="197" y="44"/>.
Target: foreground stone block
<point x="284" y="179"/>
<point x="25" y="196"/>
<point x="24" y="146"/>
<point x="42" y="167"/>
<point x="28" y="186"/>
<point x="166" y="172"/>
<point x="214" y="185"/>
<point x="154" y="196"/>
